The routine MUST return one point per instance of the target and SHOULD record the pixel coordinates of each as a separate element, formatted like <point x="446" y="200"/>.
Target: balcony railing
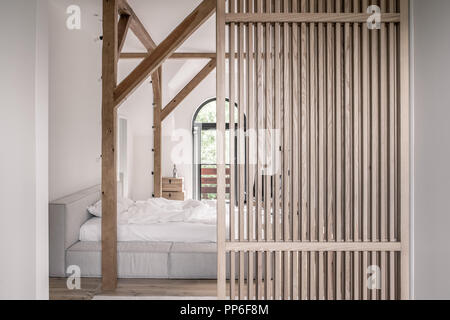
<point x="208" y="186"/>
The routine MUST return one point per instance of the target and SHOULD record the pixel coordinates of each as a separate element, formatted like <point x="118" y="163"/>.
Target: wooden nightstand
<point x="173" y="188"/>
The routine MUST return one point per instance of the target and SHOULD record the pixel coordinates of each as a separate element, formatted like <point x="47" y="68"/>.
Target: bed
<point x="184" y="249"/>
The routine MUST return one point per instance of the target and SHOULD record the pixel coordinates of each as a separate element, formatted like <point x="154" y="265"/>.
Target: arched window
<point x="204" y="128"/>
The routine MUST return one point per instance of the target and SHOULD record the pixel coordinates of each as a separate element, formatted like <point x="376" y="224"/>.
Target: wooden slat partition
<point x="323" y="205"/>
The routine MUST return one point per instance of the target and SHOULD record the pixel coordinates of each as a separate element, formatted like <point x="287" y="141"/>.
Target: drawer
<point x="172" y="184"/>
<point x="173" y="195"/>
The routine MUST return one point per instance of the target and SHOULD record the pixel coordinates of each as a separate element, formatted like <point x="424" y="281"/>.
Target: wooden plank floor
<point x="91" y="287"/>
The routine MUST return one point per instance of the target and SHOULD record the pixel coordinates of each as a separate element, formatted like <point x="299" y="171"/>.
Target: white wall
<point x="431" y="97"/>
<point x="75" y="98"/>
<point x="42" y="196"/>
<point x="138" y="109"/>
<point x="177" y="130"/>
<point x="23" y="139"/>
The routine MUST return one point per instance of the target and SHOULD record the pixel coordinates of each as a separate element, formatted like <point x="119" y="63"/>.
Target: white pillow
<point x="123" y="205"/>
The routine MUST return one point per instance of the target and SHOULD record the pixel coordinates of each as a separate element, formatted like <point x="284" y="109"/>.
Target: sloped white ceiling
<point x="160" y="17"/>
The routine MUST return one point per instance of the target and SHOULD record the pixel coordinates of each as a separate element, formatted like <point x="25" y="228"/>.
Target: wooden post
<point x="157" y="101"/>
<point x="109" y="178"/>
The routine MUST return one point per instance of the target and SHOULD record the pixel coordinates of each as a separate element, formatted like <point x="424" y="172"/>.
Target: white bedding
<point x="157" y="220"/>
<point x="161" y="220"/>
<point x="157" y="232"/>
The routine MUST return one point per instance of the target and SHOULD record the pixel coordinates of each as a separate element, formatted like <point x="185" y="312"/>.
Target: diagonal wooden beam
<point x="164" y="50"/>
<point x="124" y="25"/>
<point x="188" y="88"/>
<point x="136" y="26"/>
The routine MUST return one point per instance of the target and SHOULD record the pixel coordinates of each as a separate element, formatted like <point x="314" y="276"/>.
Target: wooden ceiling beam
<point x="176" y="55"/>
<point x="183" y="55"/>
<point x="188" y="88"/>
<point x="164" y="50"/>
<point x="136" y="26"/>
<point x="123" y="27"/>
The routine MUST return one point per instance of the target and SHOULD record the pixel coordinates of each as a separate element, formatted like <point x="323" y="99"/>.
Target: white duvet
<point x="159" y="210"/>
<point x="159" y="220"/>
<point x="157" y="232"/>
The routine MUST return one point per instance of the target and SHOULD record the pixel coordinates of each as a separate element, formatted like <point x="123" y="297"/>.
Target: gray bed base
<point x="159" y="260"/>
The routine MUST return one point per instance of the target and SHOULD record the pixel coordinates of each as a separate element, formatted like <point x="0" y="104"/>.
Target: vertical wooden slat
<point x="339" y="155"/>
<point x="286" y="152"/>
<point x="240" y="141"/>
<point x="277" y="184"/>
<point x="366" y="127"/>
<point x="357" y="126"/>
<point x="268" y="276"/>
<point x="246" y="288"/>
<point x="330" y="128"/>
<point x="375" y="132"/>
<point x="405" y="147"/>
<point x="260" y="121"/>
<point x="268" y="174"/>
<point x="268" y="125"/>
<point x="232" y="97"/>
<point x="109" y="134"/>
<point x="250" y="144"/>
<point x="384" y="128"/>
<point x="348" y="127"/>
<point x="305" y="232"/>
<point x="278" y="275"/>
<point x="295" y="152"/>
<point x="313" y="152"/>
<point x="366" y="148"/>
<point x="277" y="125"/>
<point x="220" y="92"/>
<point x="348" y="148"/>
<point x="383" y="150"/>
<point x="375" y="144"/>
<point x="393" y="138"/>
<point x="233" y="275"/>
<point x="251" y="276"/>
<point x="252" y="148"/>
<point x="321" y="124"/>
<point x="241" y="145"/>
<point x="356" y="150"/>
<point x="321" y="149"/>
<point x="241" y="120"/>
<point x="393" y="134"/>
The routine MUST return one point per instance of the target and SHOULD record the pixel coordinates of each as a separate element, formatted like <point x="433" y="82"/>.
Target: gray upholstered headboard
<point x="66" y="216"/>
